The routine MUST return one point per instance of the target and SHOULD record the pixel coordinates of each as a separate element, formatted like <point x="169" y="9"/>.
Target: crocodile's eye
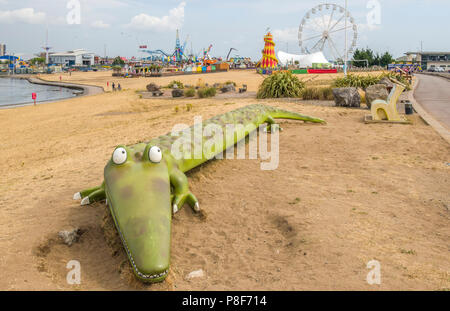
<point x="155" y="154"/>
<point x="119" y="156"/>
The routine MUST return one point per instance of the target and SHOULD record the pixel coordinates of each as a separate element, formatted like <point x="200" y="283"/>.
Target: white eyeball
<point x="119" y="156"/>
<point x="155" y="154"/>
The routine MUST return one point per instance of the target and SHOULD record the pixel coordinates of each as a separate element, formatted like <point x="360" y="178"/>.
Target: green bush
<point x="206" y="92"/>
<point x="230" y="82"/>
<point x="324" y="93"/>
<point x="281" y="84"/>
<point x="189" y="92"/>
<point x="178" y="83"/>
<point x="365" y="81"/>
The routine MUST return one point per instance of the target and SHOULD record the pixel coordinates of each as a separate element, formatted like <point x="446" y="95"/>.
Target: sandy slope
<point x="344" y="193"/>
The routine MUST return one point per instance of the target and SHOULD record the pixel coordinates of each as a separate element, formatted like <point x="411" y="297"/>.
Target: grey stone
<point x="177" y="93"/>
<point x="386" y="82"/>
<point x="70" y="237"/>
<point x="347" y="97"/>
<point x="152" y="87"/>
<point x="376" y="91"/>
<point x="228" y="88"/>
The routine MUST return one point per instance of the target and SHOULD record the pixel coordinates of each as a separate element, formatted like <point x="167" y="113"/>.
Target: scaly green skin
<point x="142" y="195"/>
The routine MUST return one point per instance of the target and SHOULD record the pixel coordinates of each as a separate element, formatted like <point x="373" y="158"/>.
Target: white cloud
<point x="286" y="34"/>
<point x="100" y="24"/>
<point x="25" y="15"/>
<point x="172" y="21"/>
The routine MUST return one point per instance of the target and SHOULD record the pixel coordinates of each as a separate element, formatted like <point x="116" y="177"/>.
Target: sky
<point x="121" y="26"/>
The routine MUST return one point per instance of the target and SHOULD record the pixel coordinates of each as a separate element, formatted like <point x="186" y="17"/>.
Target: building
<point x="2" y="49"/>
<point x="430" y="59"/>
<point x="75" y="58"/>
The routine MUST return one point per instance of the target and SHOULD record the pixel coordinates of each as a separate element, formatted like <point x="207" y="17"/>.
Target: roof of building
<point x="72" y="53"/>
<point x="427" y="53"/>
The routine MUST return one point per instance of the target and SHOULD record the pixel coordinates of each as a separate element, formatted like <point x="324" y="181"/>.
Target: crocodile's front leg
<point x="181" y="192"/>
<point x="91" y="195"/>
<point x="272" y="126"/>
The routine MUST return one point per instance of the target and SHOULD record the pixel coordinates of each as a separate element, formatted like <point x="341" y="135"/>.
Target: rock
<point x="70" y="237"/>
<point x="228" y="88"/>
<point x="377" y="91"/>
<point x="152" y="87"/>
<point x="177" y="93"/>
<point x="347" y="97"/>
<point x="175" y="86"/>
<point x="386" y="82"/>
<point x="195" y="274"/>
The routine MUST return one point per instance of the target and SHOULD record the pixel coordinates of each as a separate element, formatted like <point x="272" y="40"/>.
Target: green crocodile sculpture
<point x="145" y="183"/>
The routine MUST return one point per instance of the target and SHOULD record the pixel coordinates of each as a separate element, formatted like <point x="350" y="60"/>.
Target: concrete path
<point x="433" y="94"/>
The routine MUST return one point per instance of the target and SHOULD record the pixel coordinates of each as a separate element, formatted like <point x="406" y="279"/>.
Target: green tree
<point x="118" y="62"/>
<point x="37" y="61"/>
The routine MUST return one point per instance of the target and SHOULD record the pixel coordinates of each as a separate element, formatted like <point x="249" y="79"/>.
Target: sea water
<point x="19" y="91"/>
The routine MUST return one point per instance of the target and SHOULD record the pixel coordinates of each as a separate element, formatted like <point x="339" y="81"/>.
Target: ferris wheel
<point x="323" y="29"/>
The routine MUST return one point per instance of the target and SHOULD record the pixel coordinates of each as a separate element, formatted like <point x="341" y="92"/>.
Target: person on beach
<point x="113" y="86"/>
<point x="119" y="87"/>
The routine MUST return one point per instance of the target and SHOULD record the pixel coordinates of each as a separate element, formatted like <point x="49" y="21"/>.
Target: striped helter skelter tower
<point x="269" y="59"/>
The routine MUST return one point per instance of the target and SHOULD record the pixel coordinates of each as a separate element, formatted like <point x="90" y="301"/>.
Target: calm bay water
<point x="18" y="91"/>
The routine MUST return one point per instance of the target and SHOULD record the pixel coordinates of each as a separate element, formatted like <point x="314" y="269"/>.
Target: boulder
<point x="376" y="91"/>
<point x="177" y="93"/>
<point x="152" y="87"/>
<point x="347" y="97"/>
<point x="228" y="88"/>
<point x="386" y="81"/>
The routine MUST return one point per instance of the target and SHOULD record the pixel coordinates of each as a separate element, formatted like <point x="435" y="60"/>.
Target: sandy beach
<point x="345" y="193"/>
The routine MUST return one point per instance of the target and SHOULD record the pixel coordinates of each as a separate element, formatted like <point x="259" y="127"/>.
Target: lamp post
<point x="346" y="53"/>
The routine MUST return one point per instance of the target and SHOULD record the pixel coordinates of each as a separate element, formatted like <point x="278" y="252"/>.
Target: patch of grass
<point x="297" y="200"/>
<point x="189" y="92"/>
<point x="206" y="92"/>
<point x="317" y="93"/>
<point x="229" y="104"/>
<point x="188" y="107"/>
<point x="409" y="251"/>
<point x="177" y="109"/>
<point x="178" y="83"/>
<point x="230" y="82"/>
<point x="281" y="84"/>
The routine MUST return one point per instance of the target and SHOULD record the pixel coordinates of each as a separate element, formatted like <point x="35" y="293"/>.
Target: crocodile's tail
<point x="284" y="114"/>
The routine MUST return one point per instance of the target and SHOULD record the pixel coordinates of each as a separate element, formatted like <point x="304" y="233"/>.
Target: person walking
<point x="119" y="87"/>
<point x="113" y="86"/>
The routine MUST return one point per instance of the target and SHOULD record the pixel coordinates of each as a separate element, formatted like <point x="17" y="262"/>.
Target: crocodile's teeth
<point x="175" y="208"/>
<point x="77" y="196"/>
<point x="197" y="207"/>
<point x="85" y="201"/>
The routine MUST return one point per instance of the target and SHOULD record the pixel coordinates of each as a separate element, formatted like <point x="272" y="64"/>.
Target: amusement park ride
<point x="179" y="54"/>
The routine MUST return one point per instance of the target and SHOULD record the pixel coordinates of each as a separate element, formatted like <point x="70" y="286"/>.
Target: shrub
<point x="310" y="93"/>
<point x="206" y="92"/>
<point x="189" y="92"/>
<point x="230" y="82"/>
<point x="178" y="83"/>
<point x="365" y="81"/>
<point x="188" y="107"/>
<point x="281" y="84"/>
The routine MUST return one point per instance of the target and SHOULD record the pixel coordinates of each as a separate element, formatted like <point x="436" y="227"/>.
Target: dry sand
<point x="345" y="193"/>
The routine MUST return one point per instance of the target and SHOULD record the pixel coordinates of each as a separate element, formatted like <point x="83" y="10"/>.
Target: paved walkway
<point x="433" y="94"/>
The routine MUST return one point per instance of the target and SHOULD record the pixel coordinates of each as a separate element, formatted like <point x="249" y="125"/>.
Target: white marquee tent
<point x="304" y="60"/>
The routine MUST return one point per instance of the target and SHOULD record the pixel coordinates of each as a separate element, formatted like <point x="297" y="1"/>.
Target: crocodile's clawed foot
<point x="188" y="198"/>
<point x="90" y="195"/>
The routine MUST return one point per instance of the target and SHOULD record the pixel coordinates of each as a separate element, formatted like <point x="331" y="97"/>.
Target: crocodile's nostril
<point x="138" y="155"/>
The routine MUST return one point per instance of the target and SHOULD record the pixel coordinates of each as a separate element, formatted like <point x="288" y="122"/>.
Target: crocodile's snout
<point x="138" y="195"/>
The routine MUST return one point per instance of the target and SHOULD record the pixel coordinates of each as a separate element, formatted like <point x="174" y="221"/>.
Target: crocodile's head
<point x="137" y="188"/>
